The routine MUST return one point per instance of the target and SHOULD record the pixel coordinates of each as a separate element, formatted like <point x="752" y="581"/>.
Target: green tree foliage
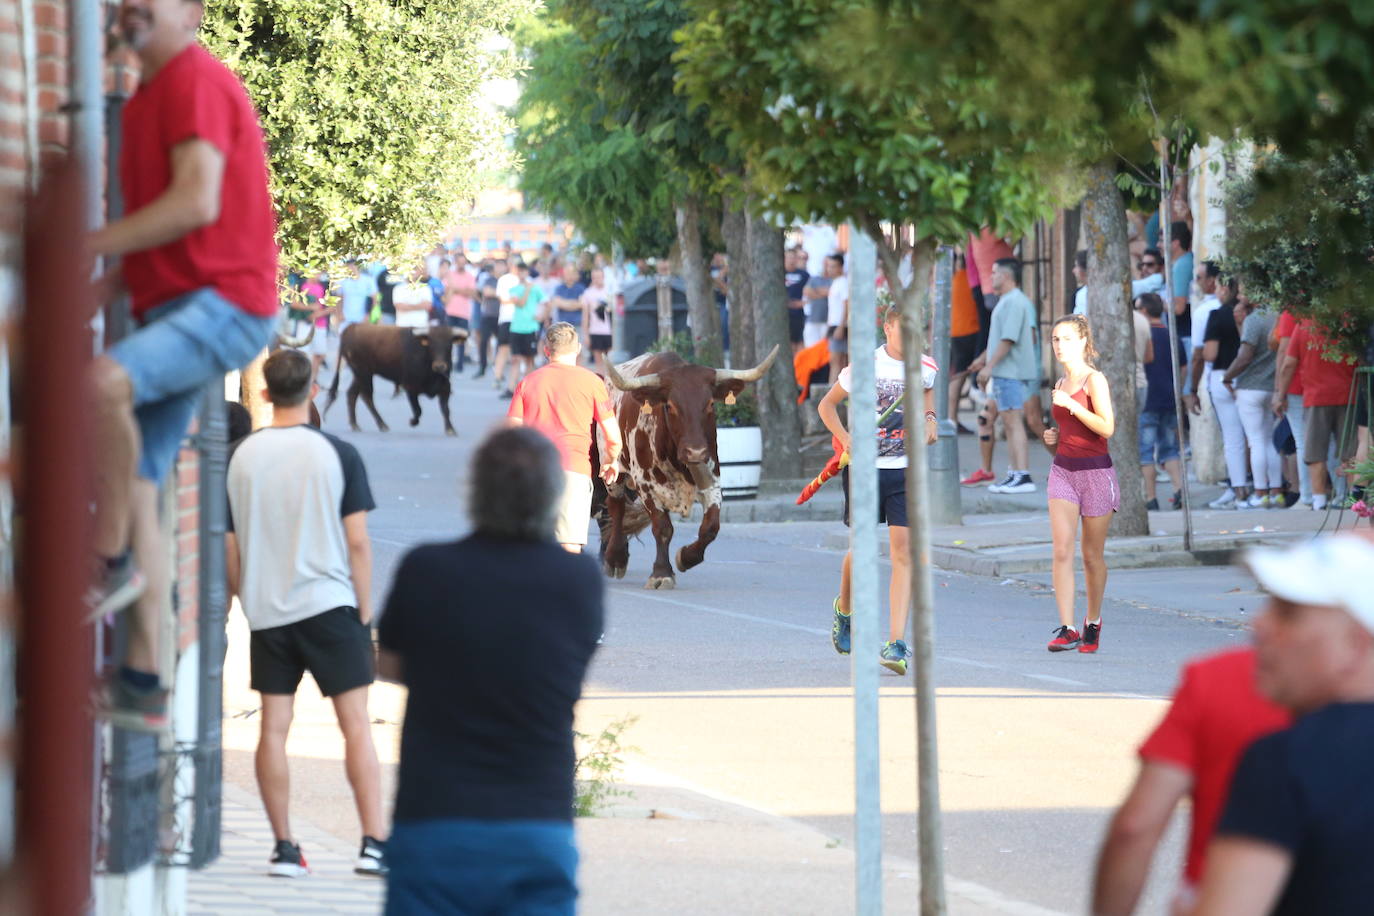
<point x="371" y="113"/>
<point x="819" y="143"/>
<point x="605" y="177"/>
<point x="1308" y="248"/>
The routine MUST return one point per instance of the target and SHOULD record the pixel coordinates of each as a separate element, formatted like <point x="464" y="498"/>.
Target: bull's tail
<point x="334" y="384"/>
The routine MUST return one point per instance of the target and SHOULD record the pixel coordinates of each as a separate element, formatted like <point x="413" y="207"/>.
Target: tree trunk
<point x="734" y="227"/>
<point x="696" y="274"/>
<point x="779" y="418"/>
<point x="1109" y="314"/>
<point x="251" y="385"/>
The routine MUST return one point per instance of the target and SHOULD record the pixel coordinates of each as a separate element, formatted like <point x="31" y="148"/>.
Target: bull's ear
<point x="728" y="390"/>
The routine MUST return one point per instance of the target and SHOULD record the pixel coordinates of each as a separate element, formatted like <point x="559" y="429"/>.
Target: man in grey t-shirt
<point x="300" y="561"/>
<point x="1250" y="379"/>
<point x="1011" y="364"/>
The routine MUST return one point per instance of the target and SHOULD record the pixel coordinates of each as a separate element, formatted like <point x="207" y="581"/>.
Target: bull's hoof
<point x="686" y="558"/>
<point x="355" y="427"/>
<point x="661" y="583"/>
<point x="614" y="572"/>
<point x="450" y="431"/>
<point x="414" y="421"/>
<point x="382" y="427"/>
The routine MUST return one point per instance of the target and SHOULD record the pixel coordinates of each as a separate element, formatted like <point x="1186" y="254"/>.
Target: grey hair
<point x="516" y="485"/>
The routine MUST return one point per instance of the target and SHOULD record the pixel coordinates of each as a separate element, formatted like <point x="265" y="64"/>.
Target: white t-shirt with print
<point x="891" y="378"/>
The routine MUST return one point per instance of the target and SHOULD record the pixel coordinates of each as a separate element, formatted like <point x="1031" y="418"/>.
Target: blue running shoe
<point x="839" y="630"/>
<point x="894" y="656"/>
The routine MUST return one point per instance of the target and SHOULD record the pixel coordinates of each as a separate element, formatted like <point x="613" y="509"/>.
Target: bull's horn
<point x="747" y="375"/>
<point x="288" y="341"/>
<point x="631" y="384"/>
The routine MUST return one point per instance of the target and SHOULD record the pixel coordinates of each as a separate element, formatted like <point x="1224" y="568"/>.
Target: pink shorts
<point x="1093" y="490"/>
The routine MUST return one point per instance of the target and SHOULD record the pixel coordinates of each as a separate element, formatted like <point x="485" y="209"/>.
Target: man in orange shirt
<point x="963" y="338"/>
<point x="565" y="402"/>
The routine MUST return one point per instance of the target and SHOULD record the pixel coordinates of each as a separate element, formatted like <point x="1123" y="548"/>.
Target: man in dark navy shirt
<point x="1298" y="829"/>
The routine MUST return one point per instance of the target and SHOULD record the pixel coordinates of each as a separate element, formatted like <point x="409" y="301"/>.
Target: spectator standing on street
<point x="1080" y="276"/>
<point x="566" y="402"/>
<point x="1216" y="713"/>
<point x="837" y="315"/>
<point x="1326" y="399"/>
<point x="1250" y="379"/>
<point x="892" y="462"/>
<point x="505" y="285"/>
<point x="1181" y="268"/>
<point x="794" y="279"/>
<point x="414" y="301"/>
<point x="200" y="265"/>
<point x="1082" y="482"/>
<point x="1296" y="832"/>
<point x="596" y="319"/>
<point x="1293" y="410"/>
<point x="963" y="338"/>
<point x="567" y="297"/>
<point x="524" y="327"/>
<point x="355" y="293"/>
<point x="1220" y="344"/>
<point x="1158" y="428"/>
<point x="460" y="289"/>
<point x="1151" y="274"/>
<point x="1010" y="363"/>
<point x="817" y="295"/>
<point x="492" y="635"/>
<point x="487" y="282"/>
<point x="300" y="561"/>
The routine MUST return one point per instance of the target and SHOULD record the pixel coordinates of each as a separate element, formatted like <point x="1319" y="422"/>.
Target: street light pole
<point x="946" y="506"/>
<point x="864" y="587"/>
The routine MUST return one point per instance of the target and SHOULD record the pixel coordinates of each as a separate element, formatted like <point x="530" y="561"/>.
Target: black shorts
<point x="600" y="343"/>
<point x="796" y="324"/>
<point x="488" y="326"/>
<point x="891" y="496"/>
<point x="503" y="333"/>
<point x="1363" y="384"/>
<point x="962" y="351"/>
<point x="523" y="344"/>
<point x="335" y="647"/>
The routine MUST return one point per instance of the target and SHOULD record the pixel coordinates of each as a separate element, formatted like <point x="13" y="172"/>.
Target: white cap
<point x="1329" y="571"/>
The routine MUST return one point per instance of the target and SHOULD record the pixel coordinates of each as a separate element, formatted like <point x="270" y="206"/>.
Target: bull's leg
<point x="366" y="392"/>
<point x="397" y="393"/>
<point x="662" y="522"/>
<point x="443" y="409"/>
<point x="353" y="390"/>
<point x="615" y="546"/>
<point x="414" y="408"/>
<point x="695" y="552"/>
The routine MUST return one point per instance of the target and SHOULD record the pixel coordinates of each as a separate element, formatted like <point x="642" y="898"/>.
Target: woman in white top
<point x="596" y="319"/>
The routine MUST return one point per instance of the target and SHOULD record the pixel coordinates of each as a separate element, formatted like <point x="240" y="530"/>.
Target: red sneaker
<point x="977" y="478"/>
<point x="1092" y="633"/>
<point x="1065" y="638"/>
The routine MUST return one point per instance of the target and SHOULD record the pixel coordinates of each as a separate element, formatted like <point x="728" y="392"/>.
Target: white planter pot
<point x="741" y="453"/>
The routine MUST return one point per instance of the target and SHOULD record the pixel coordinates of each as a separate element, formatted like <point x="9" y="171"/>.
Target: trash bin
<point x="641" y="312"/>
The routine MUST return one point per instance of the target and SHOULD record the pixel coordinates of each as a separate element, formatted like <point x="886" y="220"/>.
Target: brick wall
<point x="187" y="546"/>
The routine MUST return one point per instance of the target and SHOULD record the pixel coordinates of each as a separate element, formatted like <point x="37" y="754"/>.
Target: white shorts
<point x="575" y="509"/>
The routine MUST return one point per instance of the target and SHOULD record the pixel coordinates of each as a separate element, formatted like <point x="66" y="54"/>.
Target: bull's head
<point x="439" y="339"/>
<point x="688" y="395"/>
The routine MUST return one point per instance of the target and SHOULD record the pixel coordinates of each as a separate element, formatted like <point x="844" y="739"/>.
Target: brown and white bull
<point x="666" y="410"/>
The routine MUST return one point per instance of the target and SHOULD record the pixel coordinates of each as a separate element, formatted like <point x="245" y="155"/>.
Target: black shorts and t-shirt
<point x="502" y="333"/>
<point x="289" y="490"/>
<point x="1307" y="791"/>
<point x="963" y="350"/>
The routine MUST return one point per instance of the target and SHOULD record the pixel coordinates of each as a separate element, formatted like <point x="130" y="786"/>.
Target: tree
<point x="1310" y="257"/>
<point x="371" y="112"/>
<point x="609" y="180"/>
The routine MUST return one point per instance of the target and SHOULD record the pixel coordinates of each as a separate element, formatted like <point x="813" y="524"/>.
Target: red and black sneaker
<point x="1065" y="638"/>
<point x="1092" y="634"/>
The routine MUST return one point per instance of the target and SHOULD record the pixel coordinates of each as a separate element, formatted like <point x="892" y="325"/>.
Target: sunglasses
<point x="1148" y="264"/>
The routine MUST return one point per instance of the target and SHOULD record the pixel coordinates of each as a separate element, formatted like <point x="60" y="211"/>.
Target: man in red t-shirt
<point x="1326" y="386"/>
<point x="566" y="402"/>
<point x="1215" y="715"/>
<point x="200" y="265"/>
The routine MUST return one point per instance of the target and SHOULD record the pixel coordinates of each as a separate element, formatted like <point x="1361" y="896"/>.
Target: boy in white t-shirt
<point x="891" y="379"/>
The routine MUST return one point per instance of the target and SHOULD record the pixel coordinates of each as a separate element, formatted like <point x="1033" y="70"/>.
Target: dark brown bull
<point x="667" y="415"/>
<point x="416" y="359"/>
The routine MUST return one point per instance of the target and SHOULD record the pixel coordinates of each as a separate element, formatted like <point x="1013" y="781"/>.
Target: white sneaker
<point x="1021" y="484"/>
<point x="1319" y="501"/>
<point x="1226" y="500"/>
<point x="1001" y="485"/>
<point x="1255" y="501"/>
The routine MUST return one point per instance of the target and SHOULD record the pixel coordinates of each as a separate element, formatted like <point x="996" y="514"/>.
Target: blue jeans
<point x="182" y="346"/>
<point x="468" y="867"/>
<point x="1009" y="393"/>
<point x="1158" y="437"/>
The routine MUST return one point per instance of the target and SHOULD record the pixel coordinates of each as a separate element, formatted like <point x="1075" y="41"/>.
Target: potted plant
<point x="739" y="444"/>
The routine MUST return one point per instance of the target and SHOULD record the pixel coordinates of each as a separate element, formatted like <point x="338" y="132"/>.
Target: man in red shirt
<point x="200" y="265"/>
<point x="1326" y="385"/>
<point x="1216" y="713"/>
<point x="566" y="402"/>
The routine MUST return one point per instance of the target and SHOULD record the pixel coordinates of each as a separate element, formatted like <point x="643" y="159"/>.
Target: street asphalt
<point x="742" y="712"/>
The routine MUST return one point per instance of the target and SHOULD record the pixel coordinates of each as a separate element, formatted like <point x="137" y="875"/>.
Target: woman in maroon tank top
<point x="1082" y="481"/>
